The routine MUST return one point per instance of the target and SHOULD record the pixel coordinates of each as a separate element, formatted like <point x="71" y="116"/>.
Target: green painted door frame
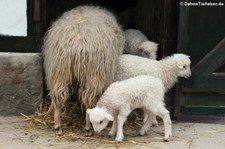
<point x="202" y="36"/>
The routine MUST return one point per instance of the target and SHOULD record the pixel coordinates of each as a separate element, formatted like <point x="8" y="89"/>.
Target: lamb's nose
<point x="189" y="74"/>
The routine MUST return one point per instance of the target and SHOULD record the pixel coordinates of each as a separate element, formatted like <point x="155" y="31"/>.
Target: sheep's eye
<point x="146" y="53"/>
<point x="100" y="122"/>
<point x="184" y="66"/>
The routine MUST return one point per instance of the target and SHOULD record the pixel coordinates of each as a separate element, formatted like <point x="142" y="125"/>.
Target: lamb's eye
<point x="140" y="49"/>
<point x="100" y="122"/>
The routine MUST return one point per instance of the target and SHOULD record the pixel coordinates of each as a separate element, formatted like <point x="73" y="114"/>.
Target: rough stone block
<point x="21" y="83"/>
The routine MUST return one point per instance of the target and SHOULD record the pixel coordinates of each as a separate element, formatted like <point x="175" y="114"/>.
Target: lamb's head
<point x="99" y="118"/>
<point x="183" y="63"/>
<point x="148" y="49"/>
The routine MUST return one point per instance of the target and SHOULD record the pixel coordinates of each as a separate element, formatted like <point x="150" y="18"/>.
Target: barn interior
<point x="157" y="19"/>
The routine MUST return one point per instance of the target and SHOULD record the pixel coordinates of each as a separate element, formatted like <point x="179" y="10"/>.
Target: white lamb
<point x="167" y="69"/>
<point x="138" y="44"/>
<point x="122" y="97"/>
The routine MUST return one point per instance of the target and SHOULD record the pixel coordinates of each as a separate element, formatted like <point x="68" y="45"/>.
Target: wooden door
<point x="202" y="36"/>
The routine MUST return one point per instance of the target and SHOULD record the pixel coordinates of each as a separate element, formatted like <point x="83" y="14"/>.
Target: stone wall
<point x="21" y="83"/>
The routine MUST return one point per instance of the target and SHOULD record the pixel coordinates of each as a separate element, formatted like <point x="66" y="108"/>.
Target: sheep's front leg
<point x="88" y="130"/>
<point x="120" y="121"/>
<point x="147" y="124"/>
<point x="114" y="127"/>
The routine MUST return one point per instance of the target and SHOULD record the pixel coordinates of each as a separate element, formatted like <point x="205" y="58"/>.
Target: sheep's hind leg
<point x="164" y="114"/>
<point x="154" y="120"/>
<point x="58" y="102"/>
<point x="58" y="128"/>
<point x="88" y="128"/>
<point x="152" y="116"/>
<point x="147" y="124"/>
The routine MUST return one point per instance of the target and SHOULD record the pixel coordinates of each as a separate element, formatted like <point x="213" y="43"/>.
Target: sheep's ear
<point x="109" y="117"/>
<point x="88" y="111"/>
<point x="180" y="64"/>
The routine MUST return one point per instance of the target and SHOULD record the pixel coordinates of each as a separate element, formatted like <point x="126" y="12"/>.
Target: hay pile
<point x="71" y="116"/>
<point x="73" y="127"/>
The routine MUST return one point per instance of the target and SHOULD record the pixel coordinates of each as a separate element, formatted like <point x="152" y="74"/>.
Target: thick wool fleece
<point x="81" y="49"/>
<point x="137" y="92"/>
<point x="165" y="69"/>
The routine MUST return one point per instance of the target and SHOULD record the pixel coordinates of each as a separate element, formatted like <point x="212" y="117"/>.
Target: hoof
<point x="167" y="138"/>
<point x="112" y="134"/>
<point x="58" y="131"/>
<point x="142" y="133"/>
<point x="119" y="138"/>
<point x="89" y="132"/>
<point x="155" y="125"/>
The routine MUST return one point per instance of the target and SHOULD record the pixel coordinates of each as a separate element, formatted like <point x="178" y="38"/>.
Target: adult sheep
<point x="81" y="51"/>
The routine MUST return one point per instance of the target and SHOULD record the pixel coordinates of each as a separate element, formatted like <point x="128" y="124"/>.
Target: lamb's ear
<point x="138" y="46"/>
<point x="109" y="117"/>
<point x="88" y="111"/>
<point x="180" y="64"/>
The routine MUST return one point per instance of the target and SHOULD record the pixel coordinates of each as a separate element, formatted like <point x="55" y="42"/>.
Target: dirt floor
<point x="16" y="133"/>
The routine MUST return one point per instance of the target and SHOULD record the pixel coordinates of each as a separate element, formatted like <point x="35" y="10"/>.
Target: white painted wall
<point x="13" y="17"/>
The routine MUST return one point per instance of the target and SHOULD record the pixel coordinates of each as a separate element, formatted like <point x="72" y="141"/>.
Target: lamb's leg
<point x="147" y="124"/>
<point x="145" y="117"/>
<point x="57" y="111"/>
<point x="164" y="114"/>
<point x="88" y="130"/>
<point x="114" y="127"/>
<point x="154" y="121"/>
<point x="152" y="117"/>
<point x="120" y="121"/>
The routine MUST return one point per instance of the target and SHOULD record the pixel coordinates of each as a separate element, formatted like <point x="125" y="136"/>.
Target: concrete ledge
<point x="21" y="83"/>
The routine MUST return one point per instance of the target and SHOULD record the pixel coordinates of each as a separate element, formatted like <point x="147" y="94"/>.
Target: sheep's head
<point x="183" y="63"/>
<point x="148" y="49"/>
<point x="99" y="118"/>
